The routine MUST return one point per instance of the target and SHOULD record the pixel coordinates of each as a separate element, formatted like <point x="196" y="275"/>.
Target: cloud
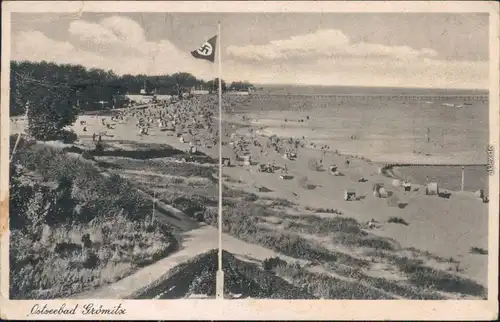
<point x="116" y="43"/>
<point x="324" y="57"/>
<point x="370" y="72"/>
<point x="324" y="43"/>
<point x="329" y="57"/>
<point x="35" y="46"/>
<point x="112" y="32"/>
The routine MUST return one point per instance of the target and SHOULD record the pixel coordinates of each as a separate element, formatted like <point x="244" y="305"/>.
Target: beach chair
<point x="349" y="195"/>
<point x="247" y="160"/>
<point x="432" y="189"/>
<point x="379" y="191"/>
<point x="226" y="162"/>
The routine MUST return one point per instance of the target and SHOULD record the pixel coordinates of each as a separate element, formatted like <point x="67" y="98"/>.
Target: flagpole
<point x="220" y="273"/>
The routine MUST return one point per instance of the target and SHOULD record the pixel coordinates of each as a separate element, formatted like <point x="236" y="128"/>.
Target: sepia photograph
<point x="226" y="154"/>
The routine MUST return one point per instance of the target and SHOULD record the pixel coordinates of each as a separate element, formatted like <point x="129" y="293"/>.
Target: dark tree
<point x="58" y="89"/>
<point x="240" y="86"/>
<point x="213" y="85"/>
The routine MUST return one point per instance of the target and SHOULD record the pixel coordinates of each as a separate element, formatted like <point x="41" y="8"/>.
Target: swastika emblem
<point x="205" y="49"/>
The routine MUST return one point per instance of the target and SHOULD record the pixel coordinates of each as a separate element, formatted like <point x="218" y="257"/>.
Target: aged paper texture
<point x="262" y="160"/>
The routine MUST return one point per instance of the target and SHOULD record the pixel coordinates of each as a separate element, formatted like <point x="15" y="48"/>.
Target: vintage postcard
<point x="249" y="160"/>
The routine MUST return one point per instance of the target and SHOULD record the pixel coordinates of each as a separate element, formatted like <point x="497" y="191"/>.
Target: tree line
<point x="56" y="93"/>
<point x="88" y="86"/>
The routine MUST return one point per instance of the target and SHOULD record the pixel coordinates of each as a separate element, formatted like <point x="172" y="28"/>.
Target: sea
<point x="445" y="127"/>
<point x="388" y="125"/>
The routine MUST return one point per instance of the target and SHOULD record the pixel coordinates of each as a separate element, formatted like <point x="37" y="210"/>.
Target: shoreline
<point x="387" y="169"/>
<point x="310" y="187"/>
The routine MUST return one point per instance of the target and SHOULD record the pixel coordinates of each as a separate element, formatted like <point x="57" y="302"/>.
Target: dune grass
<point x="164" y="166"/>
<point x="329" y="287"/>
<point x="243" y="220"/>
<point x="423" y="276"/>
<point x="73" y="229"/>
<point x="197" y="276"/>
<point x="325" y="210"/>
<point x="119" y="247"/>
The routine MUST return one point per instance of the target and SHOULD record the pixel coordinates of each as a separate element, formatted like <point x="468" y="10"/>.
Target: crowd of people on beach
<point x="192" y="121"/>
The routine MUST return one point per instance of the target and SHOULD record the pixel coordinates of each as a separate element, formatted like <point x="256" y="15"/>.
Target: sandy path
<point x="195" y="242"/>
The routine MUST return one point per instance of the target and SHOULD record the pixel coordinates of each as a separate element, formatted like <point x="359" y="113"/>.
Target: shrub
<point x="49" y="113"/>
<point x="375" y="242"/>
<point x="68" y="136"/>
<point x="332" y="225"/>
<point x="269" y="264"/>
<point x="327" y="210"/>
<point x="251" y="197"/>
<point x="99" y="147"/>
<point x="280" y="202"/>
<point x="397" y="220"/>
<point x="96" y="194"/>
<point x="88" y="155"/>
<point x="478" y="250"/>
<point x="188" y="206"/>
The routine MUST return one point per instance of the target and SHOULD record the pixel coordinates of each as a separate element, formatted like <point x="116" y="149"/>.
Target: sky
<point x="428" y="50"/>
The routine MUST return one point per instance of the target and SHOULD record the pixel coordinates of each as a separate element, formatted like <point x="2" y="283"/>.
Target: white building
<point x="163" y="97"/>
<point x="141" y="99"/>
<point x="243" y="93"/>
<point x="200" y="92"/>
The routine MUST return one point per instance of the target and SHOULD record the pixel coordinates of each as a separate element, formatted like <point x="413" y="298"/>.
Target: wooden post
<point x="463" y="177"/>
<point x="153" y="214"/>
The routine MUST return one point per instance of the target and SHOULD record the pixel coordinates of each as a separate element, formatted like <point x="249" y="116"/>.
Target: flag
<point x="206" y="51"/>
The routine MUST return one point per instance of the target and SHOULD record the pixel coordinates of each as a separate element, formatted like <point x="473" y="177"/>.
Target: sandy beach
<point x="445" y="227"/>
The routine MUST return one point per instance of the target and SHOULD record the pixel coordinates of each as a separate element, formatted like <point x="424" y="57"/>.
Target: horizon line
<point x="381" y="86"/>
<point x="261" y="84"/>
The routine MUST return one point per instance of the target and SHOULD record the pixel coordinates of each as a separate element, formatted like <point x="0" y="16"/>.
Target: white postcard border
<point x="261" y="309"/>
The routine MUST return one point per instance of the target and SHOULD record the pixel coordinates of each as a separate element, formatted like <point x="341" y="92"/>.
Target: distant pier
<point x="362" y="97"/>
